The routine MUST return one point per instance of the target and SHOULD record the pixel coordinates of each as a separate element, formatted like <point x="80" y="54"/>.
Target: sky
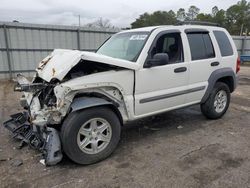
<point x="120" y="12"/>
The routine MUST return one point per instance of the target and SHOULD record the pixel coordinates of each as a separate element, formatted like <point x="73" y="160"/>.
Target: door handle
<point x="215" y="64"/>
<point x="180" y="69"/>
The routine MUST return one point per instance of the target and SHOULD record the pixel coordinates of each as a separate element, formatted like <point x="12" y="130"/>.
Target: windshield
<point x="124" y="45"/>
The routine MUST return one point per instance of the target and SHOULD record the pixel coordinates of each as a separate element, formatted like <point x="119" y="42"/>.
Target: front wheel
<point x="90" y="135"/>
<point x="218" y="101"/>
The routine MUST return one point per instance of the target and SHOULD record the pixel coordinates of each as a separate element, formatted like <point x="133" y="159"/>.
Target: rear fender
<point x="215" y="76"/>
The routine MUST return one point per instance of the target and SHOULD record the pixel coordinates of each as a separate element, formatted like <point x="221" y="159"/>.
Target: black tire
<point x="208" y="108"/>
<point x="72" y="125"/>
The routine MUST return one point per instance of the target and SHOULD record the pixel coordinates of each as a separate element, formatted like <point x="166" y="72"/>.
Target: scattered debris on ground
<point x="179" y="127"/>
<point x="16" y="162"/>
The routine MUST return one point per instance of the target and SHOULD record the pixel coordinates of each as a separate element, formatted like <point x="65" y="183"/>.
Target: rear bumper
<point x="236" y="81"/>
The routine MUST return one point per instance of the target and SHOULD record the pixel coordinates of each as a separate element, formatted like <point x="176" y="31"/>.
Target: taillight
<point x="238" y="65"/>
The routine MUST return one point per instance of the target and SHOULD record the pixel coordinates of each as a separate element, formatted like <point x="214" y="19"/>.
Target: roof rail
<point x="197" y="23"/>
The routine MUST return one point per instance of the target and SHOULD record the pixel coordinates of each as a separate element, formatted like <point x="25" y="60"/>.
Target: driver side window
<point x="172" y="45"/>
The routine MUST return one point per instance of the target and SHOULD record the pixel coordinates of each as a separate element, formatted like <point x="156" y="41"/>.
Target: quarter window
<point x="200" y="45"/>
<point x="224" y="43"/>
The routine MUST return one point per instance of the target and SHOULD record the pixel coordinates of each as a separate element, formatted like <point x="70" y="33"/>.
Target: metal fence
<point x="22" y="46"/>
<point x="243" y="44"/>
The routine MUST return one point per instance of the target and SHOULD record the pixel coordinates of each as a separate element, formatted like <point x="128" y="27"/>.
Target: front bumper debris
<point x="43" y="139"/>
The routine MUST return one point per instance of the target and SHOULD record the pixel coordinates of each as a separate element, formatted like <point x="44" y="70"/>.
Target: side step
<point x="46" y="141"/>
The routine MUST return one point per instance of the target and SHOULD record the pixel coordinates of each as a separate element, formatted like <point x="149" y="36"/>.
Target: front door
<point x="161" y="88"/>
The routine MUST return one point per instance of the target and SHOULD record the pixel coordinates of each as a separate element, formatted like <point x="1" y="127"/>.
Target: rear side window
<point x="224" y="43"/>
<point x="200" y="45"/>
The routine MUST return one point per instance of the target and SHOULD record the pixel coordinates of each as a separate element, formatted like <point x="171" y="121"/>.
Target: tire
<point x="210" y="109"/>
<point x="78" y="125"/>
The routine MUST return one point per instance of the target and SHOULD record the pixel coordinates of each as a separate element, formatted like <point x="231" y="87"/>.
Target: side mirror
<point x="159" y="59"/>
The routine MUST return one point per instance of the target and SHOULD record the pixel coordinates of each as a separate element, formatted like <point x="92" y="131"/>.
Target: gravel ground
<point x="175" y="149"/>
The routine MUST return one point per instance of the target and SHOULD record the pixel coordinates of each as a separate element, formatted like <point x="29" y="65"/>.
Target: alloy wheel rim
<point x="220" y="101"/>
<point x="94" y="135"/>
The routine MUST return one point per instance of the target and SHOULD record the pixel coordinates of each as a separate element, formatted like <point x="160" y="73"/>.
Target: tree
<point x="181" y="14"/>
<point x="217" y="16"/>
<point x="238" y="15"/>
<point x="205" y="17"/>
<point x="220" y="18"/>
<point x="192" y="13"/>
<point x="156" y="18"/>
<point x="232" y="19"/>
<point x="100" y="23"/>
<point x="215" y="10"/>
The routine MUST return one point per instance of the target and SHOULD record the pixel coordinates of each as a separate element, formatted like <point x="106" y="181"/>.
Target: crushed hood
<point x="60" y="62"/>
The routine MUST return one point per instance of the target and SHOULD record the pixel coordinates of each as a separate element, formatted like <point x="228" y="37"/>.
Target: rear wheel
<point x="90" y="135"/>
<point x="218" y="101"/>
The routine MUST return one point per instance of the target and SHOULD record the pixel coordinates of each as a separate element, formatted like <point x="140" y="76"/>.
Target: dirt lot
<point x="175" y="149"/>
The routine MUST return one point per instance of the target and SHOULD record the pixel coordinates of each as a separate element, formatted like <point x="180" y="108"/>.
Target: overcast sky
<point x="120" y="12"/>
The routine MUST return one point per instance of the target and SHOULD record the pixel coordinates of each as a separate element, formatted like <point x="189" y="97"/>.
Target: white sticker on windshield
<point x="138" y="37"/>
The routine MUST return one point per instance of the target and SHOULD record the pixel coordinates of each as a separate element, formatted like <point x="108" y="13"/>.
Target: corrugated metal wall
<point x="243" y="44"/>
<point x="23" y="46"/>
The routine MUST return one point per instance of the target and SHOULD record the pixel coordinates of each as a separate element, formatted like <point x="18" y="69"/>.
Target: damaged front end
<point x="61" y="78"/>
<point x="31" y="126"/>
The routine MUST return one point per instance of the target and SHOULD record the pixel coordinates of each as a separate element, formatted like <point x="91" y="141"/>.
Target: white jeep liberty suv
<point x="78" y="101"/>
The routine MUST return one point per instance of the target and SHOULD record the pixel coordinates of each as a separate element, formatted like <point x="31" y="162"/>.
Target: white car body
<point x="137" y="83"/>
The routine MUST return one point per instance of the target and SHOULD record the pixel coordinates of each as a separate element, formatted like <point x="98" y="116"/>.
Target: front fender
<point x="87" y="102"/>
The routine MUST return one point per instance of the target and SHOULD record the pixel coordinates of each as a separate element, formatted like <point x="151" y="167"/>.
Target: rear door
<point x="202" y="63"/>
<point x="227" y="49"/>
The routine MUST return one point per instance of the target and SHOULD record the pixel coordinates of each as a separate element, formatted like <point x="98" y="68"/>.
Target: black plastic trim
<point x="86" y="102"/>
<point x="160" y="97"/>
<point x="216" y="75"/>
<point x="180" y="69"/>
<point x="216" y="63"/>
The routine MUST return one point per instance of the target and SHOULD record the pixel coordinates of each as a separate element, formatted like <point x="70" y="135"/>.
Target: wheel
<point x="90" y="135"/>
<point x="218" y="102"/>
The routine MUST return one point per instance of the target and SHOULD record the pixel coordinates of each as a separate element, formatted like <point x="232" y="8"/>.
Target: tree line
<point x="236" y="19"/>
